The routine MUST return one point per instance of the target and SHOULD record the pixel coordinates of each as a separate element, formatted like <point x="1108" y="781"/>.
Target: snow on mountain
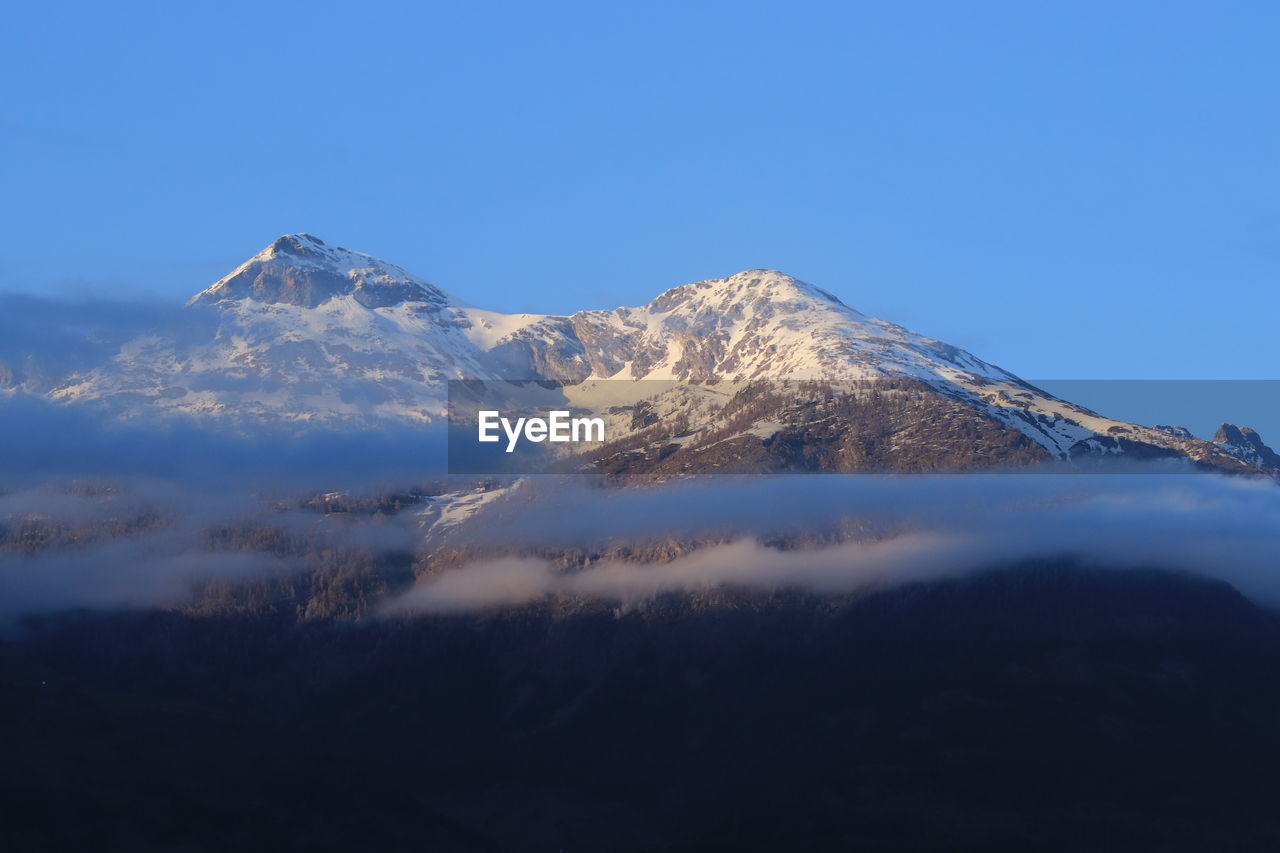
<point x="764" y="324"/>
<point x="440" y="514"/>
<point x="760" y="324"/>
<point x="308" y="332"/>
<point x="304" y="332"/>
<point x="302" y="270"/>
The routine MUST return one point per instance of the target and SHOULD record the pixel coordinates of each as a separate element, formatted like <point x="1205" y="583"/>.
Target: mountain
<point x="311" y="333"/>
<point x="1246" y="445"/>
<point x="302" y="331"/>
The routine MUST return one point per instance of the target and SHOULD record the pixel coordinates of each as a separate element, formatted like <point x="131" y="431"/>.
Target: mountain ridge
<point x="307" y="332"/>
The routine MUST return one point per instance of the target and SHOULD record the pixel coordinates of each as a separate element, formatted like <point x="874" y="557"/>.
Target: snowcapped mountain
<point x="301" y="332"/>
<point x="308" y="332"/>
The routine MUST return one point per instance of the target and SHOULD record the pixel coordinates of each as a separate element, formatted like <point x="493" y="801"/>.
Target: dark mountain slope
<point x="1042" y="708"/>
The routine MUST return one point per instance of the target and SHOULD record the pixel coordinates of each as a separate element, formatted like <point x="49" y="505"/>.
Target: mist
<point x="50" y="441"/>
<point x="45" y="341"/>
<point x="80" y="465"/>
<point x="1226" y="529"/>
<point x="116" y="576"/>
<point x="134" y="542"/>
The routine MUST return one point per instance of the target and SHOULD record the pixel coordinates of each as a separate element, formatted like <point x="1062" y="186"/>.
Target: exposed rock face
<point x="1246" y="445"/>
<point x="901" y="426"/>
<point x="547" y="349"/>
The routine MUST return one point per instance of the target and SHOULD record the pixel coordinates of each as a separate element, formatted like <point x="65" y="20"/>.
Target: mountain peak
<point x="301" y="243"/>
<point x="754" y="287"/>
<point x="1245" y="443"/>
<point x="775" y="282"/>
<point x="301" y="269"/>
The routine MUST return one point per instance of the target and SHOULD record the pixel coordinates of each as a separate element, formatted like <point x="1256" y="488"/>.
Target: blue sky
<point x="1084" y="190"/>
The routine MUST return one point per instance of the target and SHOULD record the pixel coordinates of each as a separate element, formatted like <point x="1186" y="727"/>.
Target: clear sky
<point x="1073" y="190"/>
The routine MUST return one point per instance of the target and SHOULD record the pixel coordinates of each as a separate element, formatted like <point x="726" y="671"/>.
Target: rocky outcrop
<point x="1246" y="445"/>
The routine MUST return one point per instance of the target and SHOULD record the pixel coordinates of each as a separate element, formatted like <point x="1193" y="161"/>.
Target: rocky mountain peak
<point x="776" y="281"/>
<point x="743" y="291"/>
<point x="303" y="270"/>
<point x="300" y="244"/>
<point x="1245" y="444"/>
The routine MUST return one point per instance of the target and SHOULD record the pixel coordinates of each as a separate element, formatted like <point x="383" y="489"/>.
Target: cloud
<point x="895" y="529"/>
<point x="198" y="473"/>
<point x="132" y="542"/>
<point x="573" y="511"/>
<point x="43" y="339"/>
<point x="743" y="563"/>
<point x="1222" y="528"/>
<point x="52" y="441"/>
<point x="127" y="573"/>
